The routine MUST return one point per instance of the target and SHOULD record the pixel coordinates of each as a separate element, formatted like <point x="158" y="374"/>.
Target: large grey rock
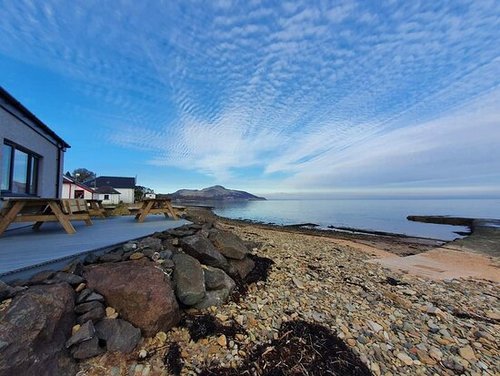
<point x="139" y="291"/>
<point x="85" y="307"/>
<point x="188" y="279"/>
<point x="94" y="315"/>
<point x="85" y="333"/>
<point x="214" y="278"/>
<point x="87" y="349"/>
<point x="87" y="295"/>
<point x="6" y="291"/>
<point x="153" y="244"/>
<point x="34" y="329"/>
<point x="242" y="267"/>
<point x="219" y="296"/>
<point x="119" y="335"/>
<point x="72" y="279"/>
<point x="115" y="256"/>
<point x="228" y="244"/>
<point x="203" y="250"/>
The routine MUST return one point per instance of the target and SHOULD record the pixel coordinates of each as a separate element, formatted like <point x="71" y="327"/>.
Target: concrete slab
<point x="23" y="248"/>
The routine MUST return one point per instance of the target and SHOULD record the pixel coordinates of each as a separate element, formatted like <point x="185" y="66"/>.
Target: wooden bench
<point x="41" y="210"/>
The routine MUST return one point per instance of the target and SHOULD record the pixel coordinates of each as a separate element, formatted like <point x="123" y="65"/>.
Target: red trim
<point x="66" y="180"/>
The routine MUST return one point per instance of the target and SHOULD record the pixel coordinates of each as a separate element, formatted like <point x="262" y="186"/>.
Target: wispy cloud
<point x="330" y="94"/>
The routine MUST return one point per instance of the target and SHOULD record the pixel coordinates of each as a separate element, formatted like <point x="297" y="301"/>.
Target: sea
<point x="386" y="215"/>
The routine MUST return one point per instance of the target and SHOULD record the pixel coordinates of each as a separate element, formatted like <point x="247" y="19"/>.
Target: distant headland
<point x="215" y="193"/>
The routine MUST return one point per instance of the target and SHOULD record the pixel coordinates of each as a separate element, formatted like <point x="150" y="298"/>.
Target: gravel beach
<point x="398" y="324"/>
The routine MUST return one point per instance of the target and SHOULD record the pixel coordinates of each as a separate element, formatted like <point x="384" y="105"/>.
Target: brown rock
<point x="139" y="291"/>
<point x="242" y="267"/>
<point x="34" y="329"/>
<point x="228" y="244"/>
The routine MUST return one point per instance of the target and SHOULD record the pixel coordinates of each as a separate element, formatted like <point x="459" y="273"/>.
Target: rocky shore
<point x="195" y="301"/>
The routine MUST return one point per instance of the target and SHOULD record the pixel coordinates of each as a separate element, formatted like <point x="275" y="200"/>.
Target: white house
<point x="108" y="195"/>
<point x="31" y="154"/>
<point x="74" y="189"/>
<point x="124" y="185"/>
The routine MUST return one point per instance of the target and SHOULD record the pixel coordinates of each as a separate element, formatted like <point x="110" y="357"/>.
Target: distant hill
<point x="217" y="192"/>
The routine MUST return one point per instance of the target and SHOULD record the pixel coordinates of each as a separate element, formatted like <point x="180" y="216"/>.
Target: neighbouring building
<point x="74" y="189"/>
<point x="124" y="185"/>
<point x="108" y="195"/>
<point x="31" y="154"/>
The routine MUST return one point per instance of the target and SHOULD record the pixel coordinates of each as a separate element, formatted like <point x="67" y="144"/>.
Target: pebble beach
<point x="398" y="324"/>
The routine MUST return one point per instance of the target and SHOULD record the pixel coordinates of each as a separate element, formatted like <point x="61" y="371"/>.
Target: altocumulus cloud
<point x="302" y="94"/>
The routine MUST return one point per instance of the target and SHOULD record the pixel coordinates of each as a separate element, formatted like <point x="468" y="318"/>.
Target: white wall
<point x="113" y="199"/>
<point x="68" y="191"/>
<point x="49" y="174"/>
<point x="126" y="195"/>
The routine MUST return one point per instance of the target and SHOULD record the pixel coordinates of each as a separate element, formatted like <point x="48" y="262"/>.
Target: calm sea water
<point x="379" y="215"/>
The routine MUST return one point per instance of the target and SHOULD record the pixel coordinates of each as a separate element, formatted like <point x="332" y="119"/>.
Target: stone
<point x="94" y="315"/>
<point x="425" y="358"/>
<point x="136" y="256"/>
<point x="153" y="244"/>
<point x="222" y="340"/>
<point x="129" y="247"/>
<point x="80" y="287"/>
<point x="85" y="307"/>
<point x="84" y="333"/>
<point x="374" y="326"/>
<point x="41" y="277"/>
<point x="111" y="257"/>
<point x="214" y="278"/>
<point x="204" y="251"/>
<point x="119" y="335"/>
<point x="74" y="267"/>
<point x="242" y="267"/>
<point x="143" y="354"/>
<point x="110" y="312"/>
<point x="188" y="279"/>
<point x="213" y="298"/>
<point x="72" y="279"/>
<point x="405" y="359"/>
<point x="166" y="254"/>
<point x="87" y="349"/>
<point x="6" y="291"/>
<point x="467" y="353"/>
<point x="87" y="295"/>
<point x="139" y="291"/>
<point x="34" y="329"/>
<point x="91" y="258"/>
<point x="182" y="231"/>
<point x="230" y="245"/>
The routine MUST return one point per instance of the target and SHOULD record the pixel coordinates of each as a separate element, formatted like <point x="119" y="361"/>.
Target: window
<point x="106" y="197"/>
<point x="19" y="170"/>
<point x="79" y="193"/>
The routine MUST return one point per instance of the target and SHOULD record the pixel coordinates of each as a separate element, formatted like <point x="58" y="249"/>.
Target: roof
<point x="29" y="115"/>
<point x="113" y="181"/>
<point x="107" y="190"/>
<point x="68" y="180"/>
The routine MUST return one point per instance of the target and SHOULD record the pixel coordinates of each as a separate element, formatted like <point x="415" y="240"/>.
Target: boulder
<point x="87" y="295"/>
<point x="87" y="349"/>
<point x="203" y="250"/>
<point x="242" y="267"/>
<point x="74" y="267"/>
<point x="85" y="333"/>
<point x="228" y="244"/>
<point x="115" y="256"/>
<point x="6" y="291"/>
<point x="153" y="244"/>
<point x="139" y="291"/>
<point x="34" y="329"/>
<point x="41" y="277"/>
<point x="85" y="307"/>
<point x="182" y="231"/>
<point x="72" y="279"/>
<point x="119" y="335"/>
<point x="95" y="314"/>
<point x="188" y="279"/>
<point x="214" y="278"/>
<point x="219" y="296"/>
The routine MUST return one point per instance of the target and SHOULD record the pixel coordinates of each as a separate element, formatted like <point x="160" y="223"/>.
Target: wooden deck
<point x="23" y="249"/>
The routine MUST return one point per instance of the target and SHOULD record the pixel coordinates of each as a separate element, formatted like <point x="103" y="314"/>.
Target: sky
<point x="314" y="98"/>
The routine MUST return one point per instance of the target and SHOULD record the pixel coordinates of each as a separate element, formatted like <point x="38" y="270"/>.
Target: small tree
<point x="140" y="191"/>
<point x="82" y="174"/>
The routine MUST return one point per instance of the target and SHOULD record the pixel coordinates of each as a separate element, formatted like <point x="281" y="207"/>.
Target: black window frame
<point x="106" y="197"/>
<point x="32" y="158"/>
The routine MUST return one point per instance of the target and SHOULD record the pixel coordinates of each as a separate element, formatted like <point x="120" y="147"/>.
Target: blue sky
<point x="329" y="98"/>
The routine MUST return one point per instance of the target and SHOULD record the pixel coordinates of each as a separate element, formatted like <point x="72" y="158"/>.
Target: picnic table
<point x="41" y="210"/>
<point x="96" y="209"/>
<point x="155" y="206"/>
